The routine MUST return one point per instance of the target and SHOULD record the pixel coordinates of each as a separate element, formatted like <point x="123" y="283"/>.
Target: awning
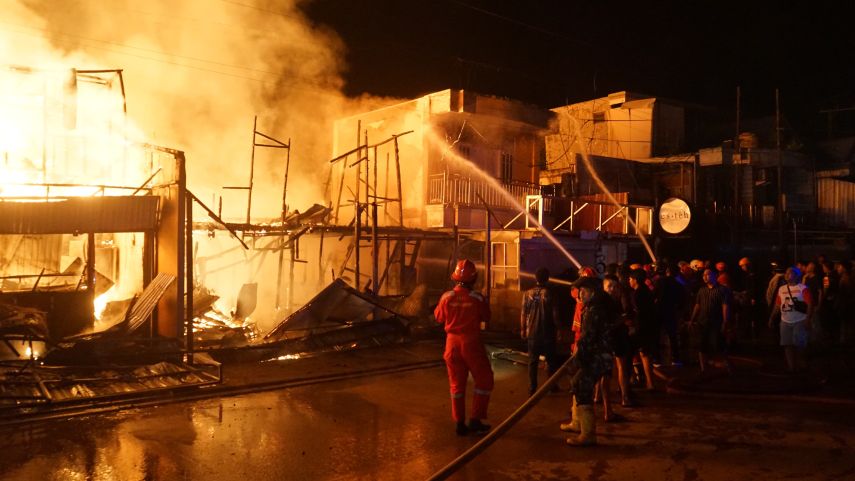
<point x="79" y="215"/>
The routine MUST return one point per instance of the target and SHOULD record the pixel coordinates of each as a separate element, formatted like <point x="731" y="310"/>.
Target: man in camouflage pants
<point x="592" y="358"/>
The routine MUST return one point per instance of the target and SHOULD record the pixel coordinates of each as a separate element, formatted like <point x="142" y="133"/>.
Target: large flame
<point x="64" y="133"/>
<point x="196" y="74"/>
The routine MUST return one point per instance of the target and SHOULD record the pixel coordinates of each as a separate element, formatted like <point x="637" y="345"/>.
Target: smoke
<point x="196" y="73"/>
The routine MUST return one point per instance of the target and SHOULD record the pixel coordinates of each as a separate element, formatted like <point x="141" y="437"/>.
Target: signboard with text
<point x="674" y="215"/>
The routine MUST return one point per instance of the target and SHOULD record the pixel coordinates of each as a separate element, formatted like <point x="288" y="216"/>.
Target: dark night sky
<point x="549" y="53"/>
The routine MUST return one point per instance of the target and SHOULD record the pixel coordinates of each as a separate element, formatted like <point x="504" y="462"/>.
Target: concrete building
<point x="454" y="146"/>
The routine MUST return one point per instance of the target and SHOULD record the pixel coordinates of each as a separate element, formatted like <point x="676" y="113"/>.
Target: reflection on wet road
<point x="397" y="427"/>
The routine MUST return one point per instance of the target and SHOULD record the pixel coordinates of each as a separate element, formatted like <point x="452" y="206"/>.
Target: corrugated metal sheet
<point x="79" y="215"/>
<point x="836" y="202"/>
<point x="29" y="254"/>
<point x="145" y="304"/>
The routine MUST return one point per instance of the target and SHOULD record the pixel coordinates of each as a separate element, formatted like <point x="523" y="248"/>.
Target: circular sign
<point x="674" y="215"/>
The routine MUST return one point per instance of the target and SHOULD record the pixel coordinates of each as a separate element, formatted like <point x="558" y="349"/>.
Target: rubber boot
<point x="573" y="425"/>
<point x="477" y="427"/>
<point x="461" y="429"/>
<point x="587" y="423"/>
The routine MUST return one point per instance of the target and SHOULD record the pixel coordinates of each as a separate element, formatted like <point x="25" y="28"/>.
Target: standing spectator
<point x="801" y="265"/>
<point x="461" y="311"/>
<point x="603" y="387"/>
<point x="580" y="306"/>
<point x="812" y="280"/>
<point x="775" y="282"/>
<point x="844" y="305"/>
<point x="670" y="300"/>
<point x="644" y="317"/>
<point x="709" y="318"/>
<point x="728" y="331"/>
<point x="745" y="299"/>
<point x="538" y="325"/>
<point x="827" y="314"/>
<point x="564" y="304"/>
<point x="695" y="274"/>
<point x="593" y="356"/>
<point x="621" y="345"/>
<point x="795" y="305"/>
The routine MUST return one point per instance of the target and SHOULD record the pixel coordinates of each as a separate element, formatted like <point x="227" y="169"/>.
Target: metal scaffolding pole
<point x="188" y="256"/>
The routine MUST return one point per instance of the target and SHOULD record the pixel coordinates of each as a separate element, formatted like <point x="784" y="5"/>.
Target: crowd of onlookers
<point x="632" y="317"/>
<point x="700" y="311"/>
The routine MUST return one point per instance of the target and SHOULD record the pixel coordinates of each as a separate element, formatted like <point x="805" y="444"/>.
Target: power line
<point x="253" y="7"/>
<point x="317" y="91"/>
<point x="520" y="23"/>
<point x="185" y="57"/>
<point x="172" y="20"/>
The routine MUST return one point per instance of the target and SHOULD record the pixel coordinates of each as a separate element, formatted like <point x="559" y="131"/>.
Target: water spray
<point x="472" y="167"/>
<point x="553" y="280"/>
<point x="583" y="151"/>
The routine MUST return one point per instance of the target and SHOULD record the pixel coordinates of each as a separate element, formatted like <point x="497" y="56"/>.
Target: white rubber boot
<point x="587" y="423"/>
<point x="573" y="425"/>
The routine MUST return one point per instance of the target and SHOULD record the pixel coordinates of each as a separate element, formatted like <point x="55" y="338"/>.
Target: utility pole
<point x="780" y="177"/>
<point x="737" y="157"/>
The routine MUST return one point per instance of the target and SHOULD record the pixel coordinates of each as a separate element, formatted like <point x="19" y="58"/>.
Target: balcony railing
<point x="454" y="189"/>
<point x="590" y="215"/>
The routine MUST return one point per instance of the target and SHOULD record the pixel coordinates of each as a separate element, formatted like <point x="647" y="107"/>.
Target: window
<point x="507" y="167"/>
<point x="504" y="272"/>
<point x="599" y="117"/>
<point x="505" y="254"/>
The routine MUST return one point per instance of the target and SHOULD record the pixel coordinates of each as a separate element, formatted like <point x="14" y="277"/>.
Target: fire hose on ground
<point x="503" y="427"/>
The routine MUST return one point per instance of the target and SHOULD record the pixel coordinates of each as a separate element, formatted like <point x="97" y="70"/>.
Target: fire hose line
<point x="502" y="428"/>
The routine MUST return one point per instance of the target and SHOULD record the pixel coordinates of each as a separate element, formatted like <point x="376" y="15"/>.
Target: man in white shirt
<point x="794" y="303"/>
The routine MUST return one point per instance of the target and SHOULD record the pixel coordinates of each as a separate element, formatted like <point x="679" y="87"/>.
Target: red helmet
<point x="464" y="272"/>
<point x="587" y="272"/>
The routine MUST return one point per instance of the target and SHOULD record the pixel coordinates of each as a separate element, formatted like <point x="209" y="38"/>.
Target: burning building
<point x="471" y="166"/>
<point x="91" y="236"/>
<point x="79" y="217"/>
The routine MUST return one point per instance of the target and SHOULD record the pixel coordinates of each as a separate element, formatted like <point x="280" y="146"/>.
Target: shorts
<point x="648" y="340"/>
<point x="794" y="334"/>
<point x="706" y="337"/>
<point x="621" y="342"/>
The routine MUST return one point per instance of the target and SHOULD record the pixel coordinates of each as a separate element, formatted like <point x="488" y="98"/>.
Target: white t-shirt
<point x="788" y="313"/>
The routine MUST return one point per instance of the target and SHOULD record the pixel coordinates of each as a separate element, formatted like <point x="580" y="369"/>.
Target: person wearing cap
<point x="580" y="306"/>
<point x="795" y="305"/>
<point x="695" y="275"/>
<point x="592" y="358"/>
<point x="745" y="297"/>
<point x="539" y="326"/>
<point x="696" y="265"/>
<point x="461" y="311"/>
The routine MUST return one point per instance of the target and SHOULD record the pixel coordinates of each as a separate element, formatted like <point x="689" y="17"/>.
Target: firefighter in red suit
<point x="461" y="311"/>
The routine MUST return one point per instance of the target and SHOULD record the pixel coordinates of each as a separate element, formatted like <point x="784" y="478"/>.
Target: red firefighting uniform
<point x="462" y="312"/>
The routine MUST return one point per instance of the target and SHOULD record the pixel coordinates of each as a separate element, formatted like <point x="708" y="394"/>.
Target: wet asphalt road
<point x="397" y="427"/>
